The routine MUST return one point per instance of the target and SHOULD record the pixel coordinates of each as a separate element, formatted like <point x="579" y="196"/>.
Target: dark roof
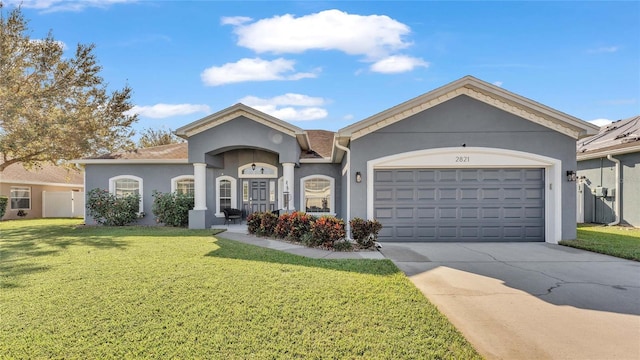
<point x="45" y="173"/>
<point x="163" y="152"/>
<point x="615" y="136"/>
<point x="320" y="143"/>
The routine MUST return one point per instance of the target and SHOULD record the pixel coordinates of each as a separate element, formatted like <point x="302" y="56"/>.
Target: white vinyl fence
<point x="62" y="204"/>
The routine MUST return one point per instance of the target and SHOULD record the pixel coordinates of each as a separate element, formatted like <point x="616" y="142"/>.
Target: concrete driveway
<point x="530" y="300"/>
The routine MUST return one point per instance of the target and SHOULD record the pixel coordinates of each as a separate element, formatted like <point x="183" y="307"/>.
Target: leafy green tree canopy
<point x="55" y="107"/>
<point x="157" y="137"/>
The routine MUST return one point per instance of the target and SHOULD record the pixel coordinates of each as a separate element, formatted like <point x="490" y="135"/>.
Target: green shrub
<point x="327" y="230"/>
<point x="268" y="224"/>
<point x="365" y="232"/>
<point x="254" y="220"/>
<point x="3" y="205"/>
<point x="108" y="209"/>
<point x="172" y="208"/>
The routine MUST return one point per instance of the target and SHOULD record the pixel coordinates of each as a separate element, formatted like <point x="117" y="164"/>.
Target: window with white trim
<point x="183" y="184"/>
<point x="257" y="170"/>
<point x="226" y="194"/>
<point x="317" y="194"/>
<point x="20" y="198"/>
<point x="125" y="185"/>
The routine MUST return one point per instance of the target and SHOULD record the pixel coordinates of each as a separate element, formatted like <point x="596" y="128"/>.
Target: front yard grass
<point x="140" y="292"/>
<point x="622" y="242"/>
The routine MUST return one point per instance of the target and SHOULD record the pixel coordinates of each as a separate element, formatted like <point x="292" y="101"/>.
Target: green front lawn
<point x="136" y="292"/>
<point x="617" y="241"/>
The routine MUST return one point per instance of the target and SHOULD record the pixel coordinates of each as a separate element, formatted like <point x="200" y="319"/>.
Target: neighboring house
<point x="45" y="191"/>
<point x="609" y="175"/>
<point x="468" y="161"/>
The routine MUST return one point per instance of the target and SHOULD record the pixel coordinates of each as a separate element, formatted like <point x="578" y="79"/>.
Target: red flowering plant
<point x="327" y="230"/>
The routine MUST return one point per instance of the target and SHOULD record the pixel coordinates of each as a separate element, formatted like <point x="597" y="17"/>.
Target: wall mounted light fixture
<point x="571" y="175"/>
<point x="358" y="177"/>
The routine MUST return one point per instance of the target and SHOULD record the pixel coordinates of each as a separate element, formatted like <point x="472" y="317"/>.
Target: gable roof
<point x="236" y="111"/>
<point x="166" y="154"/>
<point x="320" y="145"/>
<point x="479" y="90"/>
<point x="620" y="137"/>
<point x="46" y="174"/>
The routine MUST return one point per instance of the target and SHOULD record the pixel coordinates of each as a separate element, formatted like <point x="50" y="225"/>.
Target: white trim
<point x="603" y="153"/>
<point x="174" y="181"/>
<point x="258" y="176"/>
<point x="112" y="187"/>
<point x="41" y="183"/>
<point x="281" y="204"/>
<point x="234" y="193"/>
<point x="480" y="157"/>
<point x="316" y="161"/>
<point x="332" y="197"/>
<point x="130" y="161"/>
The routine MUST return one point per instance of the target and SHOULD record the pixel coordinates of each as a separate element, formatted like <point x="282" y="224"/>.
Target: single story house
<point x="468" y="161"/>
<point x="45" y="191"/>
<point x="609" y="175"/>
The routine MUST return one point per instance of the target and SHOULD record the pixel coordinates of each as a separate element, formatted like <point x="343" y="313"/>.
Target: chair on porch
<point x="232" y="214"/>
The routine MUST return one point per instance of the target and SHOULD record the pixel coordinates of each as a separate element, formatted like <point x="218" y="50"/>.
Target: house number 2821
<point x="462" y="159"/>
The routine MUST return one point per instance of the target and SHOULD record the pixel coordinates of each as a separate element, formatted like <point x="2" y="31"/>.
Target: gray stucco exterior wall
<point x="463" y="120"/>
<point x="243" y="133"/>
<point x="601" y="172"/>
<point x="154" y="177"/>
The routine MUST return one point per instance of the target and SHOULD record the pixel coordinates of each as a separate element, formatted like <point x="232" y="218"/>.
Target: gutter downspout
<point x="617" y="196"/>
<point x="347" y="225"/>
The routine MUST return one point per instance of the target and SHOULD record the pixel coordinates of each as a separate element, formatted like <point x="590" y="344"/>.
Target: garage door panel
<point x="460" y="204"/>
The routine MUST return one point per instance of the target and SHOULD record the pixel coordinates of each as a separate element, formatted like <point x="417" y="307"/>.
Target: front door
<point x="259" y="195"/>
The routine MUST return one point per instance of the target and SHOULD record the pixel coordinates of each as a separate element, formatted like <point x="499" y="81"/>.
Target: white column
<point x="289" y="184"/>
<point x="200" y="186"/>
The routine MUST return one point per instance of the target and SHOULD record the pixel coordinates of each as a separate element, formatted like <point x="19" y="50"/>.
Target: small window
<point x="183" y="185"/>
<point x="318" y="194"/>
<point x="20" y="198"/>
<point x="226" y="196"/>
<point x="126" y="185"/>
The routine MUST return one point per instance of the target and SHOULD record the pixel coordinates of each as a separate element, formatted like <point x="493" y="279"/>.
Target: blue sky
<point x="327" y="64"/>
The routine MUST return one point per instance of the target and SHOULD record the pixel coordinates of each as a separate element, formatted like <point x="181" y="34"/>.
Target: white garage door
<point x="423" y="205"/>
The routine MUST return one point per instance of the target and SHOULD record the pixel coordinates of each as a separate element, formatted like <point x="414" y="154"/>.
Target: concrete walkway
<point x="530" y="300"/>
<point x="239" y="233"/>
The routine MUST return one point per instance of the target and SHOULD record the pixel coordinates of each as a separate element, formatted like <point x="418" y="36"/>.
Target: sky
<point x="328" y="64"/>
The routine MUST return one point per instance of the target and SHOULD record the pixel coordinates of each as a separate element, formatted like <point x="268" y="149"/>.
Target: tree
<point x="151" y="137"/>
<point x="54" y="107"/>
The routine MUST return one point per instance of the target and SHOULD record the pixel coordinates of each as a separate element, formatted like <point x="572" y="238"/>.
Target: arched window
<point x="226" y="194"/>
<point x="257" y="170"/>
<point x="183" y="184"/>
<point x="125" y="185"/>
<point x="317" y="194"/>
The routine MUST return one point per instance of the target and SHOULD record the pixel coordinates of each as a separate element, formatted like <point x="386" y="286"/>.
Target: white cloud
<point x="65" y="5"/>
<point x="286" y="99"/>
<point x="160" y="111"/>
<point x="61" y="44"/>
<point x="397" y="64"/>
<point x="497" y="83"/>
<point x="600" y="122"/>
<point x="253" y="70"/>
<point x="348" y="117"/>
<point x="375" y="36"/>
<point x="289" y="107"/>
<point x="234" y="20"/>
<point x="604" y="49"/>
